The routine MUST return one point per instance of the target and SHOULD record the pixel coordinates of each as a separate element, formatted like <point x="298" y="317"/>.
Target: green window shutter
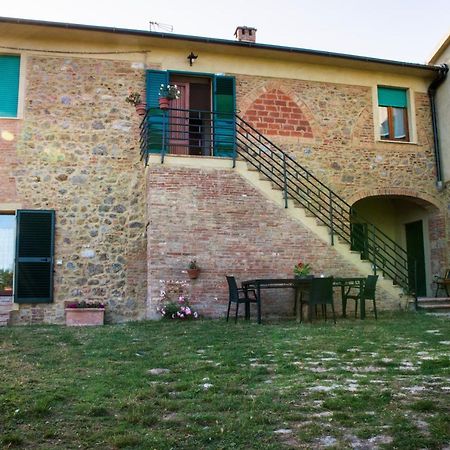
<point x="9" y="85"/>
<point x="158" y="123"/>
<point x="392" y="97"/>
<point x="33" y="278"/>
<point x="224" y="119"/>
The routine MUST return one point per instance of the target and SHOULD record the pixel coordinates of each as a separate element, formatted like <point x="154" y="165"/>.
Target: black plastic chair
<point x="367" y="292"/>
<point x="238" y="296"/>
<point x="321" y="293"/>
<point x="443" y="283"/>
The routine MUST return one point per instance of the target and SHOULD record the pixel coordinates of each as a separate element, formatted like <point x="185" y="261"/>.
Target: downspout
<point x="440" y="78"/>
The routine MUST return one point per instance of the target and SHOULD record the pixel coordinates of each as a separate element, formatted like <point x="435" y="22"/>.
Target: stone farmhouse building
<point x="269" y="156"/>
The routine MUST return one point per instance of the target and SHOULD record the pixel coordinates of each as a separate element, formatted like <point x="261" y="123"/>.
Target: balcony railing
<point x="187" y="132"/>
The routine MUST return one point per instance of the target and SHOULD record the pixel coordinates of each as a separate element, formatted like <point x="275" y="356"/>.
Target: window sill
<point x="388" y="141"/>
<point x="12" y="118"/>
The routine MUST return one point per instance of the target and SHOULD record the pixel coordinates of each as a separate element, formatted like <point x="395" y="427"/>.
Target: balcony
<point x="188" y="132"/>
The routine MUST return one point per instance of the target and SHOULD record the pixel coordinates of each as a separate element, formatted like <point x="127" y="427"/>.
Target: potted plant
<point x="168" y="92"/>
<point x="134" y="98"/>
<point x="302" y="270"/>
<point x="84" y="313"/>
<point x="193" y="270"/>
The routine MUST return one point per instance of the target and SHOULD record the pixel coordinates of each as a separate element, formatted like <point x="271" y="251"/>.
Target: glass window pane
<point x="399" y="123"/>
<point x="7" y="250"/>
<point x="384" y="122"/>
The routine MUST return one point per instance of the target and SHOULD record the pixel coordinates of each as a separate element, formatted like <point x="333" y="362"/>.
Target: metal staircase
<point x="196" y="133"/>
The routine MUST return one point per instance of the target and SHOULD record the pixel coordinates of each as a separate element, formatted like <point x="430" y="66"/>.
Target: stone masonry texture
<point x="76" y="151"/>
<point x="122" y="229"/>
<point x="342" y="152"/>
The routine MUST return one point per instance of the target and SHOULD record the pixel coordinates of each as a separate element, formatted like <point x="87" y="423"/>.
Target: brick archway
<point x="271" y="93"/>
<point x="434" y="213"/>
<point x="425" y="200"/>
<point x="274" y="113"/>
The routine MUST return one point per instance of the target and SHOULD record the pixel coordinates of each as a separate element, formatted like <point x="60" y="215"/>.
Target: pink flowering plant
<point x="174" y="302"/>
<point x="83" y="304"/>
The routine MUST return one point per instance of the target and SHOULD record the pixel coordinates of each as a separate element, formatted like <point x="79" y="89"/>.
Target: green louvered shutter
<point x="33" y="277"/>
<point x="392" y="97"/>
<point x="158" y="123"/>
<point x="9" y="85"/>
<point x="224" y="120"/>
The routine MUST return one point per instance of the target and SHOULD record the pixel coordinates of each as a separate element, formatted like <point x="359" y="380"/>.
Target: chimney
<point x="245" y="34"/>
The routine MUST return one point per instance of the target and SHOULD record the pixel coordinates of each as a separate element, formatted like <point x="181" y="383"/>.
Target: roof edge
<point x="445" y="42"/>
<point x="104" y="29"/>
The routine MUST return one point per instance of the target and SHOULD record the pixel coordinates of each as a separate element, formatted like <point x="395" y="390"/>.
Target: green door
<point x="414" y="247"/>
<point x="359" y="239"/>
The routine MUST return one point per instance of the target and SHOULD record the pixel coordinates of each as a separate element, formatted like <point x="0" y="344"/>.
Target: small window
<point x="9" y="85"/>
<point x="7" y="251"/>
<point x="393" y="114"/>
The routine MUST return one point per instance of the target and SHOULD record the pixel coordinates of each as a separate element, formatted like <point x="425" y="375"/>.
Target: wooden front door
<point x="179" y="121"/>
<point x="416" y="257"/>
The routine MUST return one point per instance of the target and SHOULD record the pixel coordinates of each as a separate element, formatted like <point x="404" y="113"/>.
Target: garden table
<point x="299" y="284"/>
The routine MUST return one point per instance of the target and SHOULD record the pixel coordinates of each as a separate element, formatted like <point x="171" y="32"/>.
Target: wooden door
<point x="414" y="247"/>
<point x="179" y="121"/>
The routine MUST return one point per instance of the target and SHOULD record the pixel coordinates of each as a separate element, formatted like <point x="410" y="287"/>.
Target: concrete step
<point x="434" y="304"/>
<point x="433" y="299"/>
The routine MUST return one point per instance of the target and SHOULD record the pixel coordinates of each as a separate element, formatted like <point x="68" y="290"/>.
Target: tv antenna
<point x="155" y="26"/>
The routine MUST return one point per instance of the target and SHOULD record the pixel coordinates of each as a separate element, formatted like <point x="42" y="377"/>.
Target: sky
<point x="403" y="30"/>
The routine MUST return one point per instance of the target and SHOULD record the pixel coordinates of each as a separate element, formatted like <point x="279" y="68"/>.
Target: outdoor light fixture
<point x="191" y="58"/>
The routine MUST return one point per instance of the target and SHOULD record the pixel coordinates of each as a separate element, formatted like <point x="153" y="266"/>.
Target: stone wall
<point x="338" y="145"/>
<point x="78" y="153"/>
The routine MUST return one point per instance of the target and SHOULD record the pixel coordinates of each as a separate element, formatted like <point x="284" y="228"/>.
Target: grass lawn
<point x="359" y="384"/>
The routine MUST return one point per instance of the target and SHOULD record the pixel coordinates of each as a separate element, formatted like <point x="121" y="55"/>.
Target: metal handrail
<point x="295" y="181"/>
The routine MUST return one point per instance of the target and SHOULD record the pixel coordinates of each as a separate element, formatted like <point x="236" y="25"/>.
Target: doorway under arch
<point x="411" y="223"/>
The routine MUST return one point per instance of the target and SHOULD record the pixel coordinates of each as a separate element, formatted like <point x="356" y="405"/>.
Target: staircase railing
<point x="192" y="132"/>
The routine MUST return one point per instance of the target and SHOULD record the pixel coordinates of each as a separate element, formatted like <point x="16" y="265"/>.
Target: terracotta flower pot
<point x="163" y="103"/>
<point x="141" y="109"/>
<point x="79" y="317"/>
<point x="193" y="273"/>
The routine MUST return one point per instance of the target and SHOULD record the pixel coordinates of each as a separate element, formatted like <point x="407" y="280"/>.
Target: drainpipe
<point x="440" y="78"/>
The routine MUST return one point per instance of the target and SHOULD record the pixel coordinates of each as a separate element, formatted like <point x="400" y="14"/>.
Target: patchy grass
<point x="361" y="384"/>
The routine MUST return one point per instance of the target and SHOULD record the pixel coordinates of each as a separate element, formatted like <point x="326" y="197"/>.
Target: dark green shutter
<point x="158" y="124"/>
<point x="9" y="85"/>
<point x="33" y="277"/>
<point x="392" y="97"/>
<point x="224" y="117"/>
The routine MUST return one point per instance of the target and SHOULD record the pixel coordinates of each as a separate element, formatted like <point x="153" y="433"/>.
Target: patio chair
<point x="321" y="293"/>
<point x="367" y="292"/>
<point x="238" y="296"/>
<point x="443" y="283"/>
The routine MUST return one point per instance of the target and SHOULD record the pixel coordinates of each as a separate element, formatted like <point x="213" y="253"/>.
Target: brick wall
<point x="275" y="114"/>
<point x="216" y="217"/>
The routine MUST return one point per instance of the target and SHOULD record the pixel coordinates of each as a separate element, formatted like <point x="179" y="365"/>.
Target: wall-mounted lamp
<point x="191" y="58"/>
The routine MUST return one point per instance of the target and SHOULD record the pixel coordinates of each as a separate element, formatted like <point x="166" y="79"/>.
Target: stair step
<point x="433" y="299"/>
<point x="434" y="307"/>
